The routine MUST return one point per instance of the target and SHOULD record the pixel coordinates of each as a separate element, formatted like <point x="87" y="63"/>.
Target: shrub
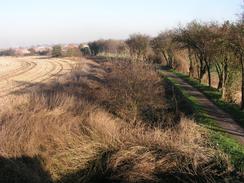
<point x="57" y="51"/>
<point x="139" y="46"/>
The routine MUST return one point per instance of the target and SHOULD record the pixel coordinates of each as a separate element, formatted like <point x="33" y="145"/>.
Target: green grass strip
<point x="220" y="139"/>
<point x="215" y="96"/>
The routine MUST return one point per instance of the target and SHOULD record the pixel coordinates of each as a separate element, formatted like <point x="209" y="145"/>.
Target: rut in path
<point x="223" y="119"/>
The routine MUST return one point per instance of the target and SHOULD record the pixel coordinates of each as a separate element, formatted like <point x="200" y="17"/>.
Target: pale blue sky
<point x="31" y="22"/>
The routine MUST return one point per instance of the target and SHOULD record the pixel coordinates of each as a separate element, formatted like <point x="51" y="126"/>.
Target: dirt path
<point x="223" y="119"/>
<point x="25" y="72"/>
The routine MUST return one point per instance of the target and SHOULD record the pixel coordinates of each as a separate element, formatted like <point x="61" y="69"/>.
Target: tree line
<point x="214" y="48"/>
<point x="211" y="49"/>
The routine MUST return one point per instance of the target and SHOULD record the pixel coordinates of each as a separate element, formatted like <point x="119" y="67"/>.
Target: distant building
<point x="22" y="51"/>
<point x="84" y="46"/>
<point x="85" y="49"/>
<point x="42" y="50"/>
<point x="69" y="46"/>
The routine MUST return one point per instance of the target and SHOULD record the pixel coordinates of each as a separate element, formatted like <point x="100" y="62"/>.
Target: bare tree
<point x="237" y="44"/>
<point x="139" y="46"/>
<point x="192" y="38"/>
<point x="163" y="45"/>
<point x="200" y="41"/>
<point x="57" y="51"/>
<point x="223" y="56"/>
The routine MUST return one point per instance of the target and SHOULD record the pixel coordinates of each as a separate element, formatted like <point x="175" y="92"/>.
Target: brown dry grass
<point x="135" y="92"/>
<point x="83" y="129"/>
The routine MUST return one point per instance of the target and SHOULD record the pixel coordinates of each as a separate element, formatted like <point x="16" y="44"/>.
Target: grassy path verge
<point x="224" y="141"/>
<point x="215" y="96"/>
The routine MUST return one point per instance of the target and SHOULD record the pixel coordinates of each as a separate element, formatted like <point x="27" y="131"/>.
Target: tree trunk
<point x="220" y="84"/>
<point x="208" y="67"/>
<point x="197" y="58"/>
<point x="224" y="79"/>
<point x="170" y="58"/>
<point x="202" y="71"/>
<point x="242" y="83"/>
<point x="209" y="76"/>
<point x="219" y="69"/>
<point x="166" y="58"/>
<point x="191" y="69"/>
<point x="202" y="67"/>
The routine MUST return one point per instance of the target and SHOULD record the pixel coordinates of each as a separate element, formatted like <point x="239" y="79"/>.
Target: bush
<point x="57" y="51"/>
<point x="73" y="52"/>
<point x="109" y="46"/>
<point x="135" y="92"/>
<point x="8" y="52"/>
<point x="139" y="46"/>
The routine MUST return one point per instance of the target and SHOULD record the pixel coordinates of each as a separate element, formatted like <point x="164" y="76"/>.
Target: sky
<point x="33" y="22"/>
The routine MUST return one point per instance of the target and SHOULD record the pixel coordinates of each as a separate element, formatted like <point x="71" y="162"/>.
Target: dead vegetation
<point x="104" y="123"/>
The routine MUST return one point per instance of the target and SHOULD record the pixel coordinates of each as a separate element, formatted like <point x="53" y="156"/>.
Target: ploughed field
<point x="18" y="73"/>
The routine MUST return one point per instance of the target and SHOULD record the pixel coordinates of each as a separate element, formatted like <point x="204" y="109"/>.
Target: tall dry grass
<point x="135" y="92"/>
<point x="83" y="129"/>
